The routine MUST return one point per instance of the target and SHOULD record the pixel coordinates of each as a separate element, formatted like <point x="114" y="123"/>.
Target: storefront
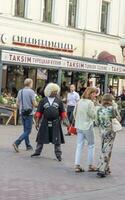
<point x="43" y="67"/>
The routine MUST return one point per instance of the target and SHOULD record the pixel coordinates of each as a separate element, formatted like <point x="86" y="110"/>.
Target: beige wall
<point x="88" y="18"/>
<point x="99" y="43"/>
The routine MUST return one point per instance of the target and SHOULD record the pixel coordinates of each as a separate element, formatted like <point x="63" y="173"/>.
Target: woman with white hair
<point x="50" y="112"/>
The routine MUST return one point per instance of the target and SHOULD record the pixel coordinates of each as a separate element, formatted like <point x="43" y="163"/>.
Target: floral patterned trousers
<point x="108" y="138"/>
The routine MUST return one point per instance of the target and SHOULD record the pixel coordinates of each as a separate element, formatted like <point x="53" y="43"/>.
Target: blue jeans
<point x="82" y="136"/>
<point x="27" y="127"/>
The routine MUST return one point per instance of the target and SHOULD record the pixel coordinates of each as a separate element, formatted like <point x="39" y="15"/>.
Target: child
<point x="105" y="114"/>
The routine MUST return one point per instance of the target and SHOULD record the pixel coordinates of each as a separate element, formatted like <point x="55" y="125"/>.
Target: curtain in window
<point x="104" y="17"/>
<point x="72" y="13"/>
<point x="20" y="8"/>
<point x="47" y="13"/>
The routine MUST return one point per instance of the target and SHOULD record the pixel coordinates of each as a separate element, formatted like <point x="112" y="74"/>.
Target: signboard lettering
<point x="40" y="43"/>
<point x="21" y="58"/>
<point x="36" y="43"/>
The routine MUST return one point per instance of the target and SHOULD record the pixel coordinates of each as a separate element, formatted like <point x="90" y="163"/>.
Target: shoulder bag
<point x="116" y="126"/>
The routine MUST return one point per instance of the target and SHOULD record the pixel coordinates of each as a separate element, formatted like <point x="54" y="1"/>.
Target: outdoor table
<point x="10" y="112"/>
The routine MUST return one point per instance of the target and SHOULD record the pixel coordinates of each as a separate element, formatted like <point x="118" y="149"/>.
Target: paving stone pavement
<point x="44" y="178"/>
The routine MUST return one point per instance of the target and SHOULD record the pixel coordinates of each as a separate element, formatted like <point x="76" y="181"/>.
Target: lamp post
<point x="122" y="44"/>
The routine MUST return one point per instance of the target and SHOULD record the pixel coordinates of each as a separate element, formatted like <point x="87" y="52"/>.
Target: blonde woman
<point x="84" y="114"/>
<point x="105" y="114"/>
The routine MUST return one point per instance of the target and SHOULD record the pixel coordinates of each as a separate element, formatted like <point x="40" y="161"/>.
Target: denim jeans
<point x="27" y="127"/>
<point x="82" y="136"/>
<point x="70" y="110"/>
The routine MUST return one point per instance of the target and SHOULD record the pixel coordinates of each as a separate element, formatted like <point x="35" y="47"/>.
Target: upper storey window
<point x="104" y="16"/>
<point x="20" y="8"/>
<point x="72" y="13"/>
<point x="47" y="11"/>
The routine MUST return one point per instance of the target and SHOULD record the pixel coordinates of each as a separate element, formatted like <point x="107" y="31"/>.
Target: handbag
<point x="116" y="126"/>
<point x="72" y="130"/>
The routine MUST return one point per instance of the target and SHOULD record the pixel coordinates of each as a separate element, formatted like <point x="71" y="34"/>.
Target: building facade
<point x="82" y="28"/>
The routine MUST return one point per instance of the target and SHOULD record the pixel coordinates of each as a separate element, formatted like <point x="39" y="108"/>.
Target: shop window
<point x="104" y="17"/>
<point x="20" y="8"/>
<point x="47" y="11"/>
<point x="17" y="74"/>
<point x="72" y="13"/>
<point x="113" y="84"/>
<point x="32" y="73"/>
<point x="41" y="78"/>
<point x="52" y="76"/>
<point x="15" y="77"/>
<point x="4" y="75"/>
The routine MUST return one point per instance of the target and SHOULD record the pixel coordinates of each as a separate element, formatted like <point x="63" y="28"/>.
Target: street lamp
<point x="122" y="44"/>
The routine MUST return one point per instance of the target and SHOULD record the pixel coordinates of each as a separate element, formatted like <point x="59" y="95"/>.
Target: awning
<point x="66" y="63"/>
<point x="107" y="57"/>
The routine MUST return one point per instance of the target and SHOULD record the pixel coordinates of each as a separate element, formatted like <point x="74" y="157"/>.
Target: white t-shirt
<point x="72" y="98"/>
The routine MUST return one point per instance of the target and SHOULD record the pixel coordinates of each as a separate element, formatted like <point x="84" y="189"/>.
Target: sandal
<point x="78" y="169"/>
<point x="92" y="168"/>
<point x="108" y="171"/>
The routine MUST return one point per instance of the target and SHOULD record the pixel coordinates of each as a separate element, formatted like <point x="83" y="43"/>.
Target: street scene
<point x="23" y="177"/>
<point x="62" y="99"/>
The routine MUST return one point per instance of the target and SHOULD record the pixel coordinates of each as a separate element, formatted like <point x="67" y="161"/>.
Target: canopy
<point x="107" y="57"/>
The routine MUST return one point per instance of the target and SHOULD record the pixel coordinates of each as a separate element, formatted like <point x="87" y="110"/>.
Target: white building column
<point x="34" y="9"/>
<point x="81" y="14"/>
<point x="60" y="12"/>
<point x="113" y="22"/>
<point x="0" y="74"/>
<point x="121" y="27"/>
<point x="93" y="15"/>
<point x="6" y="7"/>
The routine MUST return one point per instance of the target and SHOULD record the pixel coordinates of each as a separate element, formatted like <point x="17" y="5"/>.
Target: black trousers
<point x="70" y="110"/>
<point x="123" y="117"/>
<point x="57" y="148"/>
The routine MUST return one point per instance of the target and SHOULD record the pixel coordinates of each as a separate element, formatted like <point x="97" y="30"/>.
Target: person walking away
<point x="104" y="120"/>
<point x="122" y="103"/>
<point x="50" y="112"/>
<point x="72" y="99"/>
<point x="84" y="114"/>
<point x="26" y="101"/>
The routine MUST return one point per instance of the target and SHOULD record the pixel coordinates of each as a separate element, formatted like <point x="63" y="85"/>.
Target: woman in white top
<point x="84" y="114"/>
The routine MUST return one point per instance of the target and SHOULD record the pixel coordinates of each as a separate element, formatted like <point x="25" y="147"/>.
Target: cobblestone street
<point x="26" y="178"/>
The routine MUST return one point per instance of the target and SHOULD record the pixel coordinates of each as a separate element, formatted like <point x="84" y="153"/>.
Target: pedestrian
<point x="50" y="112"/>
<point x="72" y="99"/>
<point x="122" y="105"/>
<point x="26" y="102"/>
<point x="105" y="114"/>
<point x="111" y="90"/>
<point x="14" y="92"/>
<point x="84" y="114"/>
<point x="98" y="89"/>
<point x="122" y="96"/>
<point x="82" y="89"/>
